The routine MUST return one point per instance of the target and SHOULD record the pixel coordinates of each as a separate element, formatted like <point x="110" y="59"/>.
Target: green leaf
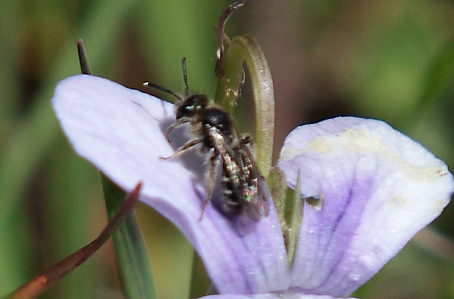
<point x="132" y="256"/>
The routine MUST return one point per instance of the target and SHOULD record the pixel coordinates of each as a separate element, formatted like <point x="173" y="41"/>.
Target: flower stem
<point x="229" y="69"/>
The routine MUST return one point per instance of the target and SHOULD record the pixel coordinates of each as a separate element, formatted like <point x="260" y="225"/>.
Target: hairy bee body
<point x="244" y="188"/>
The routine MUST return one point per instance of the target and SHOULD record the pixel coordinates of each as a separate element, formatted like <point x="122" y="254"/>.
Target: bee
<point x="243" y="186"/>
<point x="246" y="190"/>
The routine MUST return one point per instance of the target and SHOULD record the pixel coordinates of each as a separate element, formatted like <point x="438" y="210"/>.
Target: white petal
<point x="379" y="188"/>
<point x="120" y="131"/>
<point x="289" y="295"/>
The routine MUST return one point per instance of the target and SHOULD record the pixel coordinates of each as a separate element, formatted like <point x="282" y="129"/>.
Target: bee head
<point x="191" y="106"/>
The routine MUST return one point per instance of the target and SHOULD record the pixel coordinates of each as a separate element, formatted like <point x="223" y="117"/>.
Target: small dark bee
<point x="244" y="188"/>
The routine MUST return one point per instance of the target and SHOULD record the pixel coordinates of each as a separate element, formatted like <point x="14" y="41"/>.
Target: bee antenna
<point x="162" y="88"/>
<point x="185" y="77"/>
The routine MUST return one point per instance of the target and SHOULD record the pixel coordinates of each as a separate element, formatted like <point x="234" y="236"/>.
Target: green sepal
<point x="277" y="184"/>
<point x="289" y="207"/>
<point x="294" y="217"/>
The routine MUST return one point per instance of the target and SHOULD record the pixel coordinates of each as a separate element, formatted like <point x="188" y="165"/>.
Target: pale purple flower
<point x="378" y="187"/>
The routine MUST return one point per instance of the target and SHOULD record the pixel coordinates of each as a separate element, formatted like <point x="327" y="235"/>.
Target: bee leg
<point x="173" y="126"/>
<point x="210" y="177"/>
<point x="185" y="147"/>
<point x="246" y="139"/>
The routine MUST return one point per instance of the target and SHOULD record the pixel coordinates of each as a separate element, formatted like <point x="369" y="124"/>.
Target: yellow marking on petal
<point x="397" y="201"/>
<point x="288" y="152"/>
<point x="364" y="141"/>
<point x="322" y="145"/>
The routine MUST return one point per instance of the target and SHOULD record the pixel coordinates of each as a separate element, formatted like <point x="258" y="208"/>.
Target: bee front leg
<point x="185" y="147"/>
<point x="173" y="126"/>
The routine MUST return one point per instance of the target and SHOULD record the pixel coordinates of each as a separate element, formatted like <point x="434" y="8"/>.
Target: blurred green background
<point x="392" y="60"/>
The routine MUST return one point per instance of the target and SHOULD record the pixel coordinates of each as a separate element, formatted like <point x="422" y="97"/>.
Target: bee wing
<point x="265" y="196"/>
<point x="259" y="205"/>
<point x="255" y="187"/>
